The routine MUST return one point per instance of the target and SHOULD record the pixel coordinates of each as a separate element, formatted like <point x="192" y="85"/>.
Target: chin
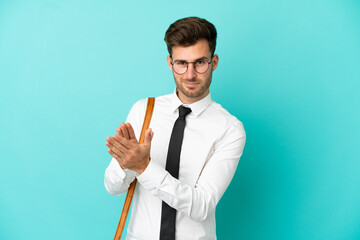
<point x="193" y="94"/>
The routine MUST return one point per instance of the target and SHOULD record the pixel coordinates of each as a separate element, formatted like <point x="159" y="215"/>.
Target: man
<point x="211" y="143"/>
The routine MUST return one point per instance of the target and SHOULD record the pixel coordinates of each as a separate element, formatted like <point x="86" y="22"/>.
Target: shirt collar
<point x="196" y="108"/>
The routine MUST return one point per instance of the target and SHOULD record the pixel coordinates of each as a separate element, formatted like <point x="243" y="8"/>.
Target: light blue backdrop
<point x="289" y="70"/>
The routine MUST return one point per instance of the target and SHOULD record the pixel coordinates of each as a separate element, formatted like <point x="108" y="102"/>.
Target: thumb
<point x="148" y="136"/>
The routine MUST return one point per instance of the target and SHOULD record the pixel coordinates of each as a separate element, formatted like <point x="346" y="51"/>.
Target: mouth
<point x="191" y="84"/>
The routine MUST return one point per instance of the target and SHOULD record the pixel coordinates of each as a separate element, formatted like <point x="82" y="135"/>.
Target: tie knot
<point x="183" y="111"/>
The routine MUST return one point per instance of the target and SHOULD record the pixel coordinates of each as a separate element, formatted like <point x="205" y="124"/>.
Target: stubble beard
<point x="193" y="94"/>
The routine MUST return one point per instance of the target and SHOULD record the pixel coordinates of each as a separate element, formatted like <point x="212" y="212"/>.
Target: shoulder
<point x="231" y="132"/>
<point x="227" y="127"/>
<point x="164" y="99"/>
<point x="223" y="117"/>
<point x="140" y="103"/>
<point x="139" y="107"/>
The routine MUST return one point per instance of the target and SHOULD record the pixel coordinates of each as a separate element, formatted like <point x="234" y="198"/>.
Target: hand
<point x="126" y="149"/>
<point x="123" y="132"/>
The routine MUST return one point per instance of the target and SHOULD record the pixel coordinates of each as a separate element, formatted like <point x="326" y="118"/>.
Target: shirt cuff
<point x="152" y="176"/>
<point x="117" y="170"/>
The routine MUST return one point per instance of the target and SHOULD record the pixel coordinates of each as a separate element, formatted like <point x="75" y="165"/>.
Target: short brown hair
<point x="187" y="31"/>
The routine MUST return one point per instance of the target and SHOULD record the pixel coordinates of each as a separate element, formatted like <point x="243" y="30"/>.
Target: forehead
<point x="189" y="53"/>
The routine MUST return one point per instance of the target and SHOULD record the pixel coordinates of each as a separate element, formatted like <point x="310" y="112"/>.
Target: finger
<point x="148" y="136"/>
<point x="131" y="131"/>
<point x="123" y="141"/>
<point x="118" y="131"/>
<point x="114" y="155"/>
<point x="117" y="157"/>
<point x="115" y="150"/>
<point x="115" y="140"/>
<point x="124" y="130"/>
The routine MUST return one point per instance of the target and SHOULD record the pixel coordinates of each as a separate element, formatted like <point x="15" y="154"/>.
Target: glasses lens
<point x="180" y="67"/>
<point x="201" y="66"/>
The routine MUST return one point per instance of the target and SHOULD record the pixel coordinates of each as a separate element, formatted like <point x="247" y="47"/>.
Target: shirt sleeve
<point x="118" y="180"/>
<point x="200" y="200"/>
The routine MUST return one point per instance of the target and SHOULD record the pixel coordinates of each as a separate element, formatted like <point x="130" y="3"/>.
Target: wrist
<point x="144" y="166"/>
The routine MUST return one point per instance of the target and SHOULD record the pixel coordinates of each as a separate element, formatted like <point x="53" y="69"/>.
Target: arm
<point x="117" y="178"/>
<point x="200" y="200"/>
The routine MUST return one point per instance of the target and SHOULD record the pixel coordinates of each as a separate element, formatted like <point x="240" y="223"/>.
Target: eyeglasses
<point x="200" y="66"/>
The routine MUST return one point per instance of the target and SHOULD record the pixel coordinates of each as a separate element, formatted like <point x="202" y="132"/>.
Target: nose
<point x="190" y="73"/>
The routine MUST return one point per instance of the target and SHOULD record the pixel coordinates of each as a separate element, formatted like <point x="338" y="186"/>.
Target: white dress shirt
<point x="212" y="145"/>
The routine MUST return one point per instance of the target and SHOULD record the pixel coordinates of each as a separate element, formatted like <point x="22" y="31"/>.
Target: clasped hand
<point x="124" y="147"/>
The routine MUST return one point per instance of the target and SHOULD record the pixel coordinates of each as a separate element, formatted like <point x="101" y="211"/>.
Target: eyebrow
<point x="198" y="59"/>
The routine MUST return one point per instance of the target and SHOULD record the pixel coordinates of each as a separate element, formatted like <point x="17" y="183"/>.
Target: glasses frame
<point x="193" y="63"/>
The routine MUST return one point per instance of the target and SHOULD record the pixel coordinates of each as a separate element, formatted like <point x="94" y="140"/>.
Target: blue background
<point x="289" y="70"/>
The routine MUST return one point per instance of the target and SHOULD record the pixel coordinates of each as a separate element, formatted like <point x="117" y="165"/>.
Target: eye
<point x="181" y="63"/>
<point x="200" y="62"/>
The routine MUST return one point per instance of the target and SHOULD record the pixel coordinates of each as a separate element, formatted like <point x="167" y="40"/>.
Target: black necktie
<point x="168" y="214"/>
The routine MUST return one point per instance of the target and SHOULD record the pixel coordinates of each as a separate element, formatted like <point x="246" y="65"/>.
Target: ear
<point x="168" y="59"/>
<point x="215" y="62"/>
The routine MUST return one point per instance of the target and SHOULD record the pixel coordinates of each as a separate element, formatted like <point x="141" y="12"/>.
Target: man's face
<point x="193" y="86"/>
